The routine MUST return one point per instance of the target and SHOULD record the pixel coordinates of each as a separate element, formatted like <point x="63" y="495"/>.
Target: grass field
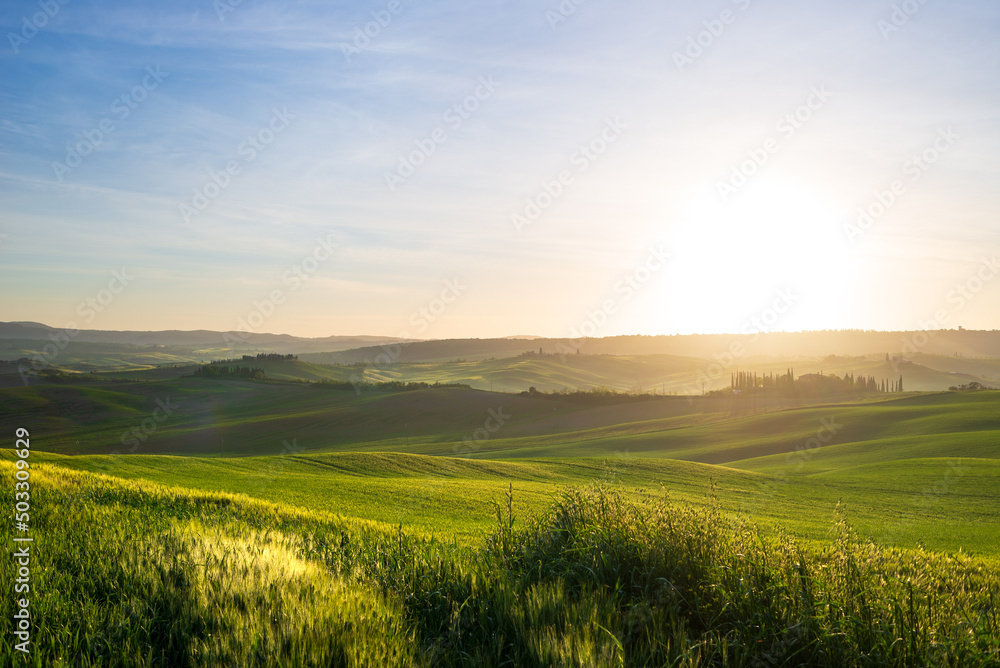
<point x="134" y="573"/>
<point x="254" y="418"/>
<point x="201" y="416"/>
<point x="551" y="371"/>
<point x="247" y="523"/>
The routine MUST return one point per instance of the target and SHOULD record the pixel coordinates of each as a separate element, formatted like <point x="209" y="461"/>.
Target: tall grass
<point x="130" y="575"/>
<point x="136" y="574"/>
<point x="689" y="586"/>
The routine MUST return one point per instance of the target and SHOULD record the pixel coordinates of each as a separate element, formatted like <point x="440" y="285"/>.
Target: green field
<point x="444" y="362"/>
<point x="318" y="503"/>
<point x="328" y="450"/>
<point x="130" y="572"/>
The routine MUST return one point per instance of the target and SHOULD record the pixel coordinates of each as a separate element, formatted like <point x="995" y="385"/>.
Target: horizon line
<point x="30" y="324"/>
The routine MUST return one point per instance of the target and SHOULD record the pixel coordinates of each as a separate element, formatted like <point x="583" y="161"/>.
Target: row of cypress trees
<point x="787" y="385"/>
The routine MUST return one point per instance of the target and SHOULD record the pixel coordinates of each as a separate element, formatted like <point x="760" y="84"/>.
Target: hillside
<point x="210" y="416"/>
<point x="386" y="514"/>
<point x="780" y="345"/>
<point x="197" y="339"/>
<point x="384" y="349"/>
<point x="932" y="479"/>
<point x="660" y="374"/>
<point x="205" y="416"/>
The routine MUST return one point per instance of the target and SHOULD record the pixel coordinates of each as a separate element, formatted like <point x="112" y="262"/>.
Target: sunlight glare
<point x="733" y="258"/>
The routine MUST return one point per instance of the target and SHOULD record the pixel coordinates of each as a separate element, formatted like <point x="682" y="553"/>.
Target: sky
<point x="440" y="169"/>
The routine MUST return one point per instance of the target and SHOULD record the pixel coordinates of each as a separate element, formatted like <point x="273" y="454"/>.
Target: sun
<point x="774" y="239"/>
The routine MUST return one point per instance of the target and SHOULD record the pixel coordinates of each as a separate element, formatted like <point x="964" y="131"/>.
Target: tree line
<point x="236" y="371"/>
<point x="788" y="385"/>
<point x="594" y="395"/>
<point x="746" y="381"/>
<point x="259" y="357"/>
<point x="383" y="386"/>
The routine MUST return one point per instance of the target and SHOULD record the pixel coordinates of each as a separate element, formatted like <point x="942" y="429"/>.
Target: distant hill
<point x="285" y="343"/>
<point x="785" y="345"/>
<point x="659" y="374"/>
<point x="959" y="345"/>
<point x="212" y="417"/>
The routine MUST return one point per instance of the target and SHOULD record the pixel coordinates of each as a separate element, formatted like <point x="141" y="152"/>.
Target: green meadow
<point x="198" y="521"/>
<point x="494" y="365"/>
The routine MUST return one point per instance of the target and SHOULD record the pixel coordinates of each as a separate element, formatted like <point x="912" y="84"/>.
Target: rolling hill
<point x="372" y="512"/>
<point x="205" y="416"/>
<point x="202" y="338"/>
<point x="659" y="374"/>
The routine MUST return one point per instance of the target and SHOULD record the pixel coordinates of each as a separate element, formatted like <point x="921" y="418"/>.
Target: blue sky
<point x="670" y="124"/>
